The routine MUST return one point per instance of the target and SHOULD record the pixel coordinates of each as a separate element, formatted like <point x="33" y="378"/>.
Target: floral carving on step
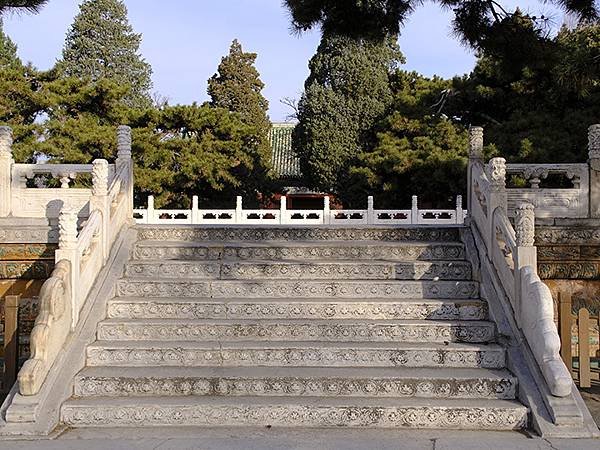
<point x="493" y="388"/>
<point x="449" y="310"/>
<point x="29" y="270"/>
<point x="475" y="332"/>
<point x="21" y="235"/>
<point x="300" y="415"/>
<point x="569" y="270"/>
<point x="252" y="270"/>
<point x="491" y="358"/>
<point x="297" y="234"/>
<point x="275" y="252"/>
<point x="567" y="235"/>
<point x="297" y="289"/>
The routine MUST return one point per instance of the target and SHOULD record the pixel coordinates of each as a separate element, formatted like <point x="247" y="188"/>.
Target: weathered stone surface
<point x="569" y="270"/>
<point x="299" y="289"/>
<point x="287" y="234"/>
<point x="30" y="270"/>
<point x="141" y="308"/>
<point x="567" y="235"/>
<point x="322" y="354"/>
<point x="312" y="382"/>
<point x="500" y="415"/>
<point x="418" y="270"/>
<point x="26" y="252"/>
<point x="315" y="251"/>
<point x="327" y="331"/>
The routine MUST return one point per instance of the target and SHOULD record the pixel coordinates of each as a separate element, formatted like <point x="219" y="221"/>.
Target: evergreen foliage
<point x="21" y="5"/>
<point x="237" y="87"/>
<point x="536" y="109"/>
<point x="475" y="21"/>
<point x="102" y="44"/>
<point x="416" y="151"/>
<point x="346" y="93"/>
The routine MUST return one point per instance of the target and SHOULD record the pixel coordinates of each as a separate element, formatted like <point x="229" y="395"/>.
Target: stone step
<point x="339" y="270"/>
<point x="142" y="287"/>
<point x="282" y="381"/>
<point x="296" y="330"/>
<point x="296" y="354"/>
<point x="294" y="412"/>
<point x="283" y="308"/>
<point x="190" y="233"/>
<point x="298" y="251"/>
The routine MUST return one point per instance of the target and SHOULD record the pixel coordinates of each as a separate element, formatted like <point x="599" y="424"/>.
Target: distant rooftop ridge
<point x="285" y="161"/>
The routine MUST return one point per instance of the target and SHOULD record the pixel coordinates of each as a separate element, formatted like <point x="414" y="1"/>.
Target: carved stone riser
<point x="476" y="332"/>
<point x="458" y="388"/>
<point x="300" y="289"/>
<point x="28" y="235"/>
<point x="405" y="252"/>
<point x="297" y="415"/>
<point x="490" y="358"/>
<point x="433" y="310"/>
<point x="568" y="252"/>
<point x="30" y="270"/>
<point x="567" y="235"/>
<point x="26" y="252"/>
<point x="569" y="270"/>
<point x="459" y="270"/>
<point x="199" y="234"/>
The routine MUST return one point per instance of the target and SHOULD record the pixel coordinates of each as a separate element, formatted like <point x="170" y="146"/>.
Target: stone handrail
<point x="512" y="253"/>
<point x="19" y="199"/>
<point x="580" y="199"/>
<point x="80" y="258"/>
<point x="284" y="216"/>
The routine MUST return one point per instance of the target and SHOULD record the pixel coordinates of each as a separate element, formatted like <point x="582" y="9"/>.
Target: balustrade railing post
<point x="594" y="163"/>
<point x="150" y="213"/>
<point x="11" y="340"/>
<point x="414" y="212"/>
<point x="525" y="252"/>
<point x="326" y="210"/>
<point x="100" y="202"/>
<point x="195" y="217"/>
<point x="6" y="164"/>
<point x="239" y="211"/>
<point x="370" y="210"/>
<point x="283" y="210"/>
<point x="496" y="173"/>
<point x="460" y="213"/>
<point x="124" y="158"/>
<point x="67" y="249"/>
<point x="475" y="157"/>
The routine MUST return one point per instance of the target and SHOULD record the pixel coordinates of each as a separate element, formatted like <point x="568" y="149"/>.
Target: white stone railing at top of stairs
<point x="79" y="259"/>
<point x="512" y="253"/>
<point x="295" y="217"/>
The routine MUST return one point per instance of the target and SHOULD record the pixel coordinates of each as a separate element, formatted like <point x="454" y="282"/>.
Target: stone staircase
<point x="314" y="327"/>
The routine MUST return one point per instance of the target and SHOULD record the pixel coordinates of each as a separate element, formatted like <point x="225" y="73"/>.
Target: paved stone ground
<point x="592" y="400"/>
<point x="297" y="439"/>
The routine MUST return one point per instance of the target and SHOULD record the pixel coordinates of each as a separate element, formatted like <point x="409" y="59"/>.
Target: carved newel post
<point x="475" y="157"/>
<point x="594" y="155"/>
<point x="124" y="159"/>
<point x="100" y="202"/>
<point x="6" y="163"/>
<point x="496" y="195"/>
<point x="67" y="249"/>
<point x="526" y="252"/>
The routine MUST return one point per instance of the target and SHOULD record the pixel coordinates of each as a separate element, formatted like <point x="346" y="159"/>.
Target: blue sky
<point x="184" y="41"/>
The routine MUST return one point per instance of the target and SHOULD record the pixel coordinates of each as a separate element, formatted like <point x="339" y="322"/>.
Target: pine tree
<point x="102" y="44"/>
<point x="237" y="87"/>
<point x="346" y="93"/>
<point x="8" y="50"/>
<point x="16" y="5"/>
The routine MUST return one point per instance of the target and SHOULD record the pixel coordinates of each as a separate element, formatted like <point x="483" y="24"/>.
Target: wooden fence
<point x="9" y="351"/>
<point x="580" y="341"/>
